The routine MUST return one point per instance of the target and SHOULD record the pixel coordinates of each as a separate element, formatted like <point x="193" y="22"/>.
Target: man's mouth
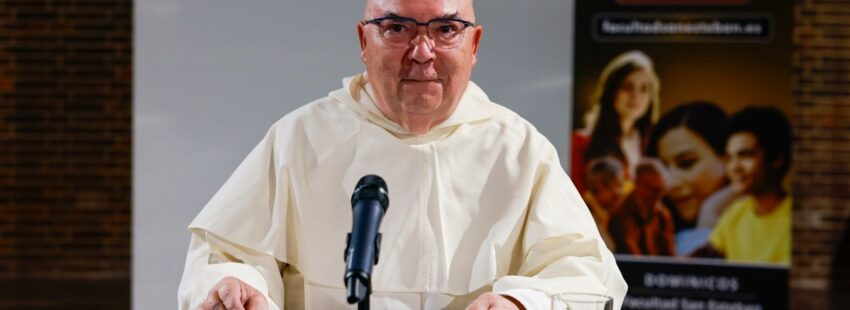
<point x="420" y="79"/>
<point x="421" y="76"/>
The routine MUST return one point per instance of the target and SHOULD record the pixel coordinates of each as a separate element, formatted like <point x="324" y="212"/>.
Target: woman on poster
<point x="625" y="107"/>
<point x="690" y="139"/>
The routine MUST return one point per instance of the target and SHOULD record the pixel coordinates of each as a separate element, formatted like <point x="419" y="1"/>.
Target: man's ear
<point x="361" y="35"/>
<point x="478" y="31"/>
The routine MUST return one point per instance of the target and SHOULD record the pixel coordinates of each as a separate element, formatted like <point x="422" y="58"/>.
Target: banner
<point x="681" y="147"/>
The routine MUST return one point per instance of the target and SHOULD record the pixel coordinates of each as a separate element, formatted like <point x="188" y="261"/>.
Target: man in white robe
<point x="482" y="215"/>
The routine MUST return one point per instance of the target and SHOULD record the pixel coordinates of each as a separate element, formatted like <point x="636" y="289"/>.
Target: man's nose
<point x="423" y="49"/>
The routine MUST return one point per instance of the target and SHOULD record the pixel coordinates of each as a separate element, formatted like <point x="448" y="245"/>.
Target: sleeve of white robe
<point x="562" y="246"/>
<point x="240" y="232"/>
<point x="211" y="259"/>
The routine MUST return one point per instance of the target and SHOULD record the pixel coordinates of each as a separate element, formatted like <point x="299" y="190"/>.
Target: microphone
<point x="368" y="203"/>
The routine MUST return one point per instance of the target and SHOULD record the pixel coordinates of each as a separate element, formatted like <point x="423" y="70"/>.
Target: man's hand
<point x="495" y="301"/>
<point x="232" y="294"/>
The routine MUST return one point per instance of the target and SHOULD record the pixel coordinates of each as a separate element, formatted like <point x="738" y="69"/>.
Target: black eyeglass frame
<point x="377" y="21"/>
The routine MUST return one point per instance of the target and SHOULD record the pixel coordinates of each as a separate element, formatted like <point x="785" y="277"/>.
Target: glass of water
<point x="582" y="301"/>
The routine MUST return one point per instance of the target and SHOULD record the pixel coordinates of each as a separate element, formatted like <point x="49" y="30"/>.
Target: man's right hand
<point x="232" y="294"/>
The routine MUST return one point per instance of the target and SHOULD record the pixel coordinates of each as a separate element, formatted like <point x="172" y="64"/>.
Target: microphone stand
<point x="364" y="304"/>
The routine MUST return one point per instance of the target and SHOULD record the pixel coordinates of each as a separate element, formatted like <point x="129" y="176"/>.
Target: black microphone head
<point x="371" y="187"/>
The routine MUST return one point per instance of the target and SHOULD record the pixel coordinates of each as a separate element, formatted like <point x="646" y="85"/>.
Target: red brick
<point x="65" y="147"/>
<point x="822" y="148"/>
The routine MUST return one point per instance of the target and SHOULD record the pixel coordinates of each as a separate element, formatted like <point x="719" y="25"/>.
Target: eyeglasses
<point x="398" y="31"/>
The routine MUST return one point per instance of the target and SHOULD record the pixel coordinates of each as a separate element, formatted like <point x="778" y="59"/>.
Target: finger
<point x="231" y="296"/>
<point x="257" y="302"/>
<point x="211" y="306"/>
<point x="210" y="302"/>
<point x="478" y="304"/>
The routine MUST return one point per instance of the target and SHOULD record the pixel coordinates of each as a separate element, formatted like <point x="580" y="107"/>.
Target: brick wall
<point x="65" y="151"/>
<point x="822" y="150"/>
<point x="65" y="93"/>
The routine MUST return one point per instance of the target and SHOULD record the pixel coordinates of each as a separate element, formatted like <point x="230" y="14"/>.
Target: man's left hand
<point x="495" y="301"/>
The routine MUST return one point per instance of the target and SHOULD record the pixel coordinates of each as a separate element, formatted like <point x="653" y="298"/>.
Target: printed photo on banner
<point x="681" y="138"/>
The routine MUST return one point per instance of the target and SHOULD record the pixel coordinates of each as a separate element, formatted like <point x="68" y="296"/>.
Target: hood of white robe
<point x="474" y="106"/>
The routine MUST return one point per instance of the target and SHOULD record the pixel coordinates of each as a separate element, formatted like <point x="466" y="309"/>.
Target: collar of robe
<point x="474" y="106"/>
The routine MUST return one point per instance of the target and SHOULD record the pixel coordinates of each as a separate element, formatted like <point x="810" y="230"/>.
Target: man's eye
<point x="397" y="28"/>
<point x="446" y="29"/>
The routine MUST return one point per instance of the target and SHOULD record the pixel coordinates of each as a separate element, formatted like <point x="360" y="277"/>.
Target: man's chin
<point x="415" y="88"/>
<point x="423" y="105"/>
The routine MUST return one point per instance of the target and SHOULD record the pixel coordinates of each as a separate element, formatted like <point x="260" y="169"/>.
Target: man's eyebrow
<point x="445" y="16"/>
<point x="449" y="16"/>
